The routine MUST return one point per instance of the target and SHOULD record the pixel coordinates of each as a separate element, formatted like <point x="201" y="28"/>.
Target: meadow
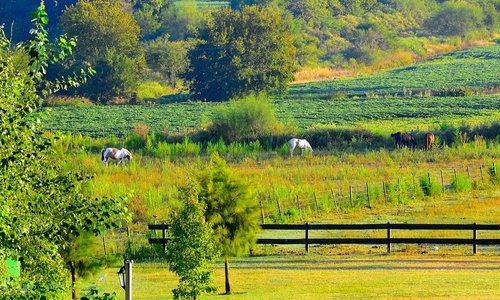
<point x="448" y="89"/>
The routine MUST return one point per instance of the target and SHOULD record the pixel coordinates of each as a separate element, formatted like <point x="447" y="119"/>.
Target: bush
<point x="152" y="90"/>
<point x="461" y="183"/>
<point x="429" y="187"/>
<point x="247" y="119"/>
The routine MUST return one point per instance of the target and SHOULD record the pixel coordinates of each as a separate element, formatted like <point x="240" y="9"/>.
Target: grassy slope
<point x="315" y="102"/>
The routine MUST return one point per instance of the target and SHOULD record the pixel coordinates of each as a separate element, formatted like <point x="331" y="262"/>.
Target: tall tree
<point x="242" y="52"/>
<point x="231" y="208"/>
<point x="41" y="203"/>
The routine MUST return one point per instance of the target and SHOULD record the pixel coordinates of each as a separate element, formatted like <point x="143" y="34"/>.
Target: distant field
<point x="475" y="67"/>
<point x="202" y="4"/>
<point x="366" y="101"/>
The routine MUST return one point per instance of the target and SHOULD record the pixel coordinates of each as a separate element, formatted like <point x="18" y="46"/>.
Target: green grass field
<point x="327" y="277"/>
<point x="363" y="101"/>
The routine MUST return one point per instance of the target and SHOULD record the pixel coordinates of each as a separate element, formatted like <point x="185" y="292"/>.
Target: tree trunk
<point x="226" y="271"/>
<point x="73" y="281"/>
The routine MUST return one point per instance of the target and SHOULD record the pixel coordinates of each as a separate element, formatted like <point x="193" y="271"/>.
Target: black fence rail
<point x="387" y="227"/>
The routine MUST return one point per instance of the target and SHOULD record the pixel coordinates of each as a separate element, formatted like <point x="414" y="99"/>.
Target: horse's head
<point x="127" y="155"/>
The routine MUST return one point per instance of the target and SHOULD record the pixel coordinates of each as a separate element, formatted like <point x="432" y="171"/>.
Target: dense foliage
<point x="43" y="206"/>
<point x="240" y="53"/>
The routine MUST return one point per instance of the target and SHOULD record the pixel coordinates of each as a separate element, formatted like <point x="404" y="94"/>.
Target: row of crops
<point x="120" y="120"/>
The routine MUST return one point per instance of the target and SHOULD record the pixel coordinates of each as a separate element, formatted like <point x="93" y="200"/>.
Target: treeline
<point x="143" y="49"/>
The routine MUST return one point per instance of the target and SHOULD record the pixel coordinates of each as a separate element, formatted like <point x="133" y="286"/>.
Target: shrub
<point x="429" y="187"/>
<point x="246" y="119"/>
<point x="152" y="90"/>
<point x="461" y="183"/>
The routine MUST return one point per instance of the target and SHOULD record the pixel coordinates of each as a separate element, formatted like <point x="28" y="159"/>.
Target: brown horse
<point x="119" y="155"/>
<point x="404" y="140"/>
<point x="429" y="140"/>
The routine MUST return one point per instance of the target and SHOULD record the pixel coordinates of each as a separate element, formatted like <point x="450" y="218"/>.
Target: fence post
<point x="307" y="237"/>
<point x="442" y="180"/>
<point x="474" y="238"/>
<point x="298" y="205"/>
<point x="399" y="189"/>
<point x="468" y="172"/>
<point x="455" y="173"/>
<point x="481" y="170"/>
<point x="494" y="169"/>
<point x="350" y="195"/>
<point x="333" y="196"/>
<point x="388" y="237"/>
<point x="316" y="202"/>
<point x="261" y="210"/>
<point x="163" y="236"/>
<point x="429" y="177"/>
<point x="368" y="195"/>
<point x="385" y="191"/>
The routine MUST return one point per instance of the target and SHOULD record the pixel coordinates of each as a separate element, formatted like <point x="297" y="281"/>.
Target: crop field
<point x="363" y="101"/>
<point x="474" y="68"/>
<point x="386" y="112"/>
<point x="202" y="4"/>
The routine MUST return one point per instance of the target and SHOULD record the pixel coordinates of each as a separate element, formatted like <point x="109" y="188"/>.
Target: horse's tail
<point x="102" y="155"/>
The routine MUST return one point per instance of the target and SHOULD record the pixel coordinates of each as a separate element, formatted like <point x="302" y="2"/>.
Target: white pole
<point x="128" y="279"/>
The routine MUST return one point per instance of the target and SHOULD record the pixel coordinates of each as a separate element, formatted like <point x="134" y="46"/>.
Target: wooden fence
<point x="387" y="227"/>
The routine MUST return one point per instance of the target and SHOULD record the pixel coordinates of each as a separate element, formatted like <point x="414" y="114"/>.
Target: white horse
<point x="119" y="155"/>
<point x="301" y="143"/>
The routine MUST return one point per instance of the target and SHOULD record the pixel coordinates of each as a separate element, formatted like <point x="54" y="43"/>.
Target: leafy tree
<point x="241" y="52"/>
<point x="168" y="58"/>
<point x="42" y="204"/>
<point x="192" y="249"/>
<point x="108" y="39"/>
<point x="231" y="208"/>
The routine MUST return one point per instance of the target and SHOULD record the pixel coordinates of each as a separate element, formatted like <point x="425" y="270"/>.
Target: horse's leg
<point x="302" y="152"/>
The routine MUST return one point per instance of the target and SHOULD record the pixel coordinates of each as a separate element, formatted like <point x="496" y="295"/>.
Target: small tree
<point x="231" y="209"/>
<point x="192" y="249"/>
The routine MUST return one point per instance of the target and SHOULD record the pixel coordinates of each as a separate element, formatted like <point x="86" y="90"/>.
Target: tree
<point x="192" y="249"/>
<point x="42" y="204"/>
<point x="108" y="39"/>
<point x="455" y="19"/>
<point x="241" y="52"/>
<point x="231" y="208"/>
<point x="168" y="58"/>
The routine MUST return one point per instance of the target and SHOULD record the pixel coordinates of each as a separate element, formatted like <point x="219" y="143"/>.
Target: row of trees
<point x="227" y="53"/>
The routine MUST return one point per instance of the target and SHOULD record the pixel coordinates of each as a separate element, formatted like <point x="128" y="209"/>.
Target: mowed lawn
<point x="375" y="276"/>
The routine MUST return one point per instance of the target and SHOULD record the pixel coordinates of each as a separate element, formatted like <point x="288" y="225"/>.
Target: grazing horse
<point x="404" y="139"/>
<point x="429" y="140"/>
<point x="301" y="143"/>
<point x="119" y="155"/>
